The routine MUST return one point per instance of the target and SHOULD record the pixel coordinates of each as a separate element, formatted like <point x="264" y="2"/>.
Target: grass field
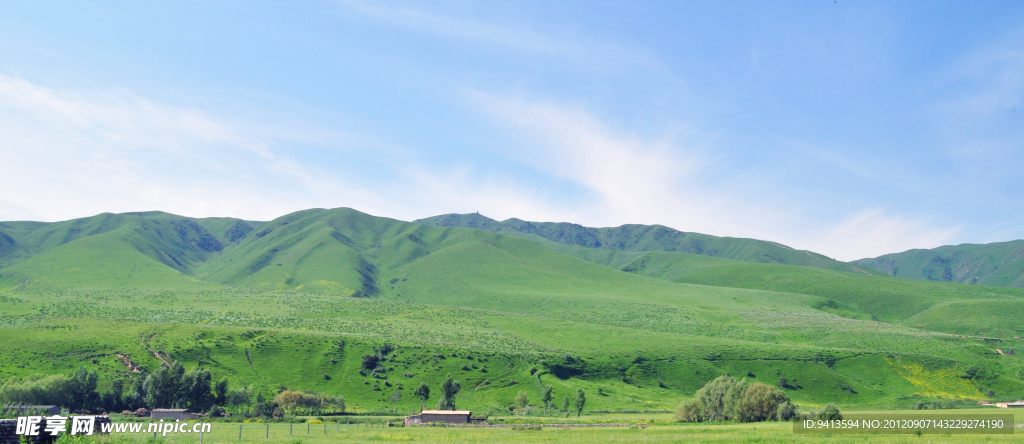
<point x="296" y="302"/>
<point x="654" y="432"/>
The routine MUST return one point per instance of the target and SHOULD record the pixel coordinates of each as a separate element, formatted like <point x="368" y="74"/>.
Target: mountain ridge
<point x="637" y="237"/>
<point x="997" y="263"/>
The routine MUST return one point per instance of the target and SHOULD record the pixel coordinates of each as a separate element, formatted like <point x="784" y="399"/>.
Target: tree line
<point x="166" y="387"/>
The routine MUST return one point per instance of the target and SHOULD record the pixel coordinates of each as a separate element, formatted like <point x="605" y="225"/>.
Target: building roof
<point x="445" y="412"/>
<point x="170" y="410"/>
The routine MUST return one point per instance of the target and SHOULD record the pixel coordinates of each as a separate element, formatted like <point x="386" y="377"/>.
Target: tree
<point x="581" y="399"/>
<point x="339" y="404"/>
<point x="137" y="397"/>
<point x="46" y="390"/>
<point x="565" y="405"/>
<point x="194" y="392"/>
<point x="221" y="391"/>
<point x="240" y="397"/>
<point x="449" y="389"/>
<point x="546" y="395"/>
<point x="783" y="382"/>
<point x="395" y="397"/>
<point x="422" y="392"/>
<point x="83" y="394"/>
<point x="289" y="399"/>
<point x="522" y="400"/>
<point x="715" y="399"/>
<point x="113" y="400"/>
<point x="162" y="386"/>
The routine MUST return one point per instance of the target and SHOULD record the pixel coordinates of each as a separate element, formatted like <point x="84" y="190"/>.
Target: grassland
<point x="997" y="264"/>
<point x="644" y="238"/>
<point x="656" y="432"/>
<point x="296" y="302"/>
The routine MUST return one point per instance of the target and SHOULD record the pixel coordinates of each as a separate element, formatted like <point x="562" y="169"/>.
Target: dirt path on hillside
<point x="128" y="363"/>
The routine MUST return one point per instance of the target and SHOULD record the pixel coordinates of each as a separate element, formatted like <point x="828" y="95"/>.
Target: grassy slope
<point x="636" y="238"/>
<point x="503" y="306"/>
<point x="997" y="264"/>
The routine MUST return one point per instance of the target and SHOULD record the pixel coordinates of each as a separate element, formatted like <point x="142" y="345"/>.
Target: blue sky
<point x="849" y="128"/>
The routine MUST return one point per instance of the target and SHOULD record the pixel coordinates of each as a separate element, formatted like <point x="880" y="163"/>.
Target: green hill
<point x="998" y="264"/>
<point x="637" y="238"/>
<point x="298" y="301"/>
<point x="869" y="297"/>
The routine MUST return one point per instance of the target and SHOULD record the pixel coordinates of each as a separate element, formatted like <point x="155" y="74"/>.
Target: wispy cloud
<point x="560" y="45"/>
<point x="129" y="121"/>
<point x="636" y="179"/>
<point x="117" y="151"/>
<point x="463" y="27"/>
<point x="632" y="178"/>
<point x="977" y="116"/>
<point x="872" y="232"/>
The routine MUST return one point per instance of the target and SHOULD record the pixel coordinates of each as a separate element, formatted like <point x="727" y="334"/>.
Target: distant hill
<point x="638" y="238"/>
<point x="998" y="264"/>
<point x="627" y="313"/>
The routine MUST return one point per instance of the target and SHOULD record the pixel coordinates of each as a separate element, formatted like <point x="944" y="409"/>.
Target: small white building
<point x="440" y="416"/>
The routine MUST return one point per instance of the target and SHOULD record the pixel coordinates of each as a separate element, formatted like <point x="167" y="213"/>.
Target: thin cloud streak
<point x="659" y="181"/>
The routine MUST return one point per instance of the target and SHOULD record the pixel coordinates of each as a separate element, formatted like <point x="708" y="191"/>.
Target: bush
<point x="785" y="412"/>
<point x="370" y="362"/>
<point x="830" y="412"/>
<point x="522" y="400"/>
<point x="758" y="402"/>
<point x="690" y="411"/>
<point x="726" y="399"/>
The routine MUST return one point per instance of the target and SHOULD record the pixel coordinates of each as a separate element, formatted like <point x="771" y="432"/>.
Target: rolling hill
<point x="636" y="238"/>
<point x="299" y="300"/>
<point x="998" y="264"/>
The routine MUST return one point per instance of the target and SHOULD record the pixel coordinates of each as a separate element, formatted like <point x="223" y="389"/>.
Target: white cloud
<point x="72" y="153"/>
<point x="467" y="28"/>
<point x="634" y="179"/>
<point x="872" y="232"/>
<point x="661" y="180"/>
<point x="581" y="51"/>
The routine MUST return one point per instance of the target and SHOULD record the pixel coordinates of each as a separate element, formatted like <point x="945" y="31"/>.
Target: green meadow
<point x="298" y="301"/>
<point x="642" y="430"/>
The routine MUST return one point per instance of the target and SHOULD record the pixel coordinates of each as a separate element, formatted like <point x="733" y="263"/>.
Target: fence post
<point x="268" y="430"/>
<point x="290" y="428"/>
<point x="200" y="435"/>
<point x="325" y="428"/>
<point x="239" y="432"/>
<point x="307" y="428"/>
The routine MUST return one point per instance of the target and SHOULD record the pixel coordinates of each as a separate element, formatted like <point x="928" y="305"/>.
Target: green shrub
<point x="830" y="412"/>
<point x="725" y="399"/>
